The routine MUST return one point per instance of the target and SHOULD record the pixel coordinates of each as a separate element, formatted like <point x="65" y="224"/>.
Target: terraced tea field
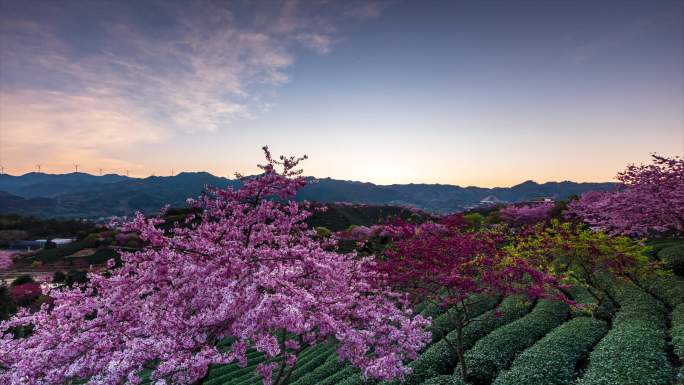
<point x="517" y="342"/>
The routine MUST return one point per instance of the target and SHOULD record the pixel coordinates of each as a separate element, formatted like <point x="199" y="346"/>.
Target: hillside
<point x="84" y="195"/>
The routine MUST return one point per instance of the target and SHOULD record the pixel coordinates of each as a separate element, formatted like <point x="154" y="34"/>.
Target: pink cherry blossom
<point x="649" y="199"/>
<point x="245" y="268"/>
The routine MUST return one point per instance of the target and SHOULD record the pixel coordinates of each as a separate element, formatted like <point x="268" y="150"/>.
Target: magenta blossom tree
<point x="247" y="269"/>
<point x="527" y="214"/>
<point x="649" y="199"/>
<point x="456" y="269"/>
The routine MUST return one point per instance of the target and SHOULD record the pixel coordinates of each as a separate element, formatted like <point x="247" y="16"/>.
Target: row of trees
<point x="244" y="267"/>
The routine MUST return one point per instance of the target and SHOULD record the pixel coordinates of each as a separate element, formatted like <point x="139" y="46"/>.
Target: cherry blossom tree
<point x="245" y="269"/>
<point x="649" y="199"/>
<point x="527" y="214"/>
<point x="456" y="269"/>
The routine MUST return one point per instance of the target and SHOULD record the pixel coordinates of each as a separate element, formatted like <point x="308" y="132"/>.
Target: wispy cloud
<point x="96" y="75"/>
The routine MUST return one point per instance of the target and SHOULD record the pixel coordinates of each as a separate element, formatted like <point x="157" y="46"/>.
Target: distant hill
<point x="80" y="195"/>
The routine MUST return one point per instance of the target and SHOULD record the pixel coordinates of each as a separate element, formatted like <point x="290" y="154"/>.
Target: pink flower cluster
<point x="246" y="268"/>
<point x="649" y="198"/>
<point x="6" y="259"/>
<point x="527" y="214"/>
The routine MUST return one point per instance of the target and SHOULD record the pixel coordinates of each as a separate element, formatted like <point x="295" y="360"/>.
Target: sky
<point x="487" y="93"/>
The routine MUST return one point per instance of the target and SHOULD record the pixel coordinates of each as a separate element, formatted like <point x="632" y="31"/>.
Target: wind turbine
<point x="127" y="173"/>
<point x="2" y="169"/>
<point x="76" y="167"/>
<point x="38" y="167"/>
<point x="171" y="172"/>
<point x="100" y="172"/>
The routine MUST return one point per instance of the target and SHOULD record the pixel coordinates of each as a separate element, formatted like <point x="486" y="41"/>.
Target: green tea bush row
<point x="552" y="360"/>
<point x="331" y="366"/>
<point x="634" y="351"/>
<point x="445" y="322"/>
<point x="338" y="377"/>
<point x="673" y="257"/>
<point x="439" y="357"/>
<point x="497" y="350"/>
<point x="312" y="362"/>
<point x="677" y="334"/>
<point x="444" y="379"/>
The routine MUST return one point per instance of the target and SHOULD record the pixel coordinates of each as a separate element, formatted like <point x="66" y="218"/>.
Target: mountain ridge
<point x="88" y="196"/>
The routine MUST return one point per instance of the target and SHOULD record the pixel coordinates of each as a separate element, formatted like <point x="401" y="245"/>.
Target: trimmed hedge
<point x="444" y="380"/>
<point x="677" y="334"/>
<point x="673" y="256"/>
<point x="497" y="350"/>
<point x="331" y="366"/>
<point x="445" y="323"/>
<point x="339" y="376"/>
<point x="440" y="359"/>
<point x="634" y="351"/>
<point x="552" y="360"/>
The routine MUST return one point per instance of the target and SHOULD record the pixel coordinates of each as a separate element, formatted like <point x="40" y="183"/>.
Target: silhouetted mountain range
<point x="89" y="196"/>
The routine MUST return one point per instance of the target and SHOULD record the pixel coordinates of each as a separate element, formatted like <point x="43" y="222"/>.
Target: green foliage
<point x="341" y="217"/>
<point x="552" y="360"/>
<point x="102" y="255"/>
<point x="6" y="305"/>
<point x="323" y="232"/>
<point x="75" y="276"/>
<point x="497" y="350"/>
<point x="331" y="366"/>
<point x="677" y="334"/>
<point x="58" y="277"/>
<point x="22" y="279"/>
<point x="339" y="376"/>
<point x="673" y="257"/>
<point x="445" y="323"/>
<point x="634" y="351"/>
<point x="474" y="219"/>
<point x="439" y="358"/>
<point x="585" y="258"/>
<point x="45" y="228"/>
<point x="668" y="288"/>
<point x="58" y="254"/>
<point x="444" y="380"/>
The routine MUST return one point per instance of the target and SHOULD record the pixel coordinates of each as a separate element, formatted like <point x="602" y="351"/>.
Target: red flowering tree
<point x="245" y="268"/>
<point x="455" y="269"/>
<point x="649" y="199"/>
<point x="25" y="293"/>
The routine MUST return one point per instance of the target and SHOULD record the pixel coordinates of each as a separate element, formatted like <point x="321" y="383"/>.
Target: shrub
<point x="668" y="288"/>
<point x="677" y="333"/>
<point x="331" y="366"/>
<point x="75" y="276"/>
<point x="339" y="376"/>
<point x="673" y="257"/>
<point x="496" y="351"/>
<point x="22" y="279"/>
<point x="445" y="323"/>
<point x="634" y="351"/>
<point x="6" y="304"/>
<point x="439" y="358"/>
<point x="552" y="360"/>
<point x="444" y="380"/>
<point x="58" y="277"/>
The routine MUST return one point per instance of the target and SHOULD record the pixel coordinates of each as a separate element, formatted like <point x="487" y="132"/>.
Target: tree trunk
<point x="461" y="353"/>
